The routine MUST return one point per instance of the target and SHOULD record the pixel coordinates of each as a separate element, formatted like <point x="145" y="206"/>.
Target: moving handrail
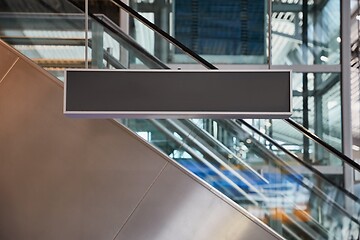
<point x="188" y="124"/>
<point x="149" y="59"/>
<point x="155" y="28"/>
<point x="315" y="138"/>
<point x="296" y="158"/>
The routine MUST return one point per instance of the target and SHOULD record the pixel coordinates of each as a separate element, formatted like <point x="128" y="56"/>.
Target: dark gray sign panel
<point x="169" y="93"/>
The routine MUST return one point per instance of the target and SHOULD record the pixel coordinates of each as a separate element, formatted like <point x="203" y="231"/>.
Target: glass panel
<point x="149" y="131"/>
<point x="305" y="32"/>
<point x="156" y="45"/>
<point x="302" y="146"/>
<point x="116" y="50"/>
<point x="317" y="107"/>
<point x="146" y="38"/>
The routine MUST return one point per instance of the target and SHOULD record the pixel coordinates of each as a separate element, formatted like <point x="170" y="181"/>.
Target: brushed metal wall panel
<point x="178" y="208"/>
<point x="64" y="178"/>
<point x="7" y="59"/>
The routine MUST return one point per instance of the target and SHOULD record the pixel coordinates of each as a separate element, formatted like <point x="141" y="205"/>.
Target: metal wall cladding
<point x="70" y="179"/>
<point x="190" y="212"/>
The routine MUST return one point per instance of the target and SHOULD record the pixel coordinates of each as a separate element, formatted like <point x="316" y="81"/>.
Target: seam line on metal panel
<point x="142" y="198"/>
<point x="7" y="72"/>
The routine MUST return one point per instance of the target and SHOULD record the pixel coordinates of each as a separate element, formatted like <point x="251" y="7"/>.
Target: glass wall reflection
<point x="305" y="32"/>
<point x="227" y="32"/>
<point x="317" y="107"/>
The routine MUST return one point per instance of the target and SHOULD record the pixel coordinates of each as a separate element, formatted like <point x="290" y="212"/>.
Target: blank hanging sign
<point x="177" y="93"/>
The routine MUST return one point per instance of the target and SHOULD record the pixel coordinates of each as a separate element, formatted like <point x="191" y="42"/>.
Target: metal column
<point x="346" y="94"/>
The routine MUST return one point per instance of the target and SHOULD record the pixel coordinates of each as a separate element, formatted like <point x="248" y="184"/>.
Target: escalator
<point x="322" y="189"/>
<point x="273" y="186"/>
<point x="286" y="195"/>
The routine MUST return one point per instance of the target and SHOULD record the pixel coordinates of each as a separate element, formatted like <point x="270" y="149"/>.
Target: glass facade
<point x="302" y="32"/>
<point x="317" y="105"/>
<point x="305" y="32"/>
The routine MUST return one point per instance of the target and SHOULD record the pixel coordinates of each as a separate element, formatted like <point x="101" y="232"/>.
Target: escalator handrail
<point x="307" y="165"/>
<point x="136" y="47"/>
<point x="211" y="66"/>
<point x="318" y="140"/>
<point x="182" y="130"/>
<point x="164" y="34"/>
<point x="109" y="25"/>
<point x="203" y="134"/>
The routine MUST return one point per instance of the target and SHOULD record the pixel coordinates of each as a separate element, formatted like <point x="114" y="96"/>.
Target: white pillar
<point x="346" y="95"/>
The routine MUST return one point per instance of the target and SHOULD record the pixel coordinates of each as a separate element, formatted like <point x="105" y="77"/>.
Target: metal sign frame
<point x="104" y="93"/>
